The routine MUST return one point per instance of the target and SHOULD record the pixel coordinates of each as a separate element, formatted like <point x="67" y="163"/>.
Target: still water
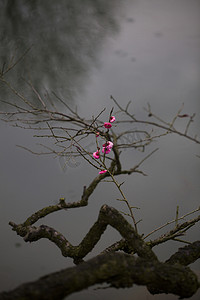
<point x="143" y="51"/>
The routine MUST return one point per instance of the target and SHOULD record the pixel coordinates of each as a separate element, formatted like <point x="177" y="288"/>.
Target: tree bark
<point x="118" y="270"/>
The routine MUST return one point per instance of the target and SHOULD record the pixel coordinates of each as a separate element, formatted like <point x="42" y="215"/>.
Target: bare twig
<point x="173" y="221"/>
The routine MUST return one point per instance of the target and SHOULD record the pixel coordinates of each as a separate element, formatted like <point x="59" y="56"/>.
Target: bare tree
<point x="130" y="260"/>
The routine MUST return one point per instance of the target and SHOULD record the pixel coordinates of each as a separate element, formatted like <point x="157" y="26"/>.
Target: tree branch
<point x="118" y="270"/>
<point x="178" y="230"/>
<point x="107" y="216"/>
<point x="186" y="255"/>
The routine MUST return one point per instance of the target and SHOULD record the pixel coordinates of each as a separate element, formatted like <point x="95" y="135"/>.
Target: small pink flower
<point x="108" y="145"/>
<point x="97" y="134"/>
<point x="96" y="154"/>
<point x="107" y="125"/>
<point x="112" y="119"/>
<point x="106" y="150"/>
<point x="103" y="171"/>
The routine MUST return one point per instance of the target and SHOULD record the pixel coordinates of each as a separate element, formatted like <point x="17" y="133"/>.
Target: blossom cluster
<point x="108" y="124"/>
<point x="106" y="148"/>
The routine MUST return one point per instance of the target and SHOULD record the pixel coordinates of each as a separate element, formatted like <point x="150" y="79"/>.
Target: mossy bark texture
<point x="118" y="269"/>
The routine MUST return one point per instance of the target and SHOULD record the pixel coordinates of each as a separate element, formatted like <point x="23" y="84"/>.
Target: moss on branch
<point x="107" y="216"/>
<point x="118" y="270"/>
<point x="186" y="255"/>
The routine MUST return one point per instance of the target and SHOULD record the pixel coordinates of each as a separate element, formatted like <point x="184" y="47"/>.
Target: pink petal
<point x="103" y="171"/>
<point x="96" y="154"/>
<point x="108" y="145"/>
<point x="106" y="150"/>
<point x="112" y="119"/>
<point x="107" y="125"/>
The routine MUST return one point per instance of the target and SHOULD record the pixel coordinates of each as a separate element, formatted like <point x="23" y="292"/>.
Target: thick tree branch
<point x="186" y="255"/>
<point x="107" y="216"/>
<point x="87" y="191"/>
<point x="118" y="270"/>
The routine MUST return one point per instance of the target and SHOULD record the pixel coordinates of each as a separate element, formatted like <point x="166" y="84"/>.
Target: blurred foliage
<point x="65" y="38"/>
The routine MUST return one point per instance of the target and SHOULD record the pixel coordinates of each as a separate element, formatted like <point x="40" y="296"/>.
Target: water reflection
<point x="65" y="39"/>
<point x="154" y="58"/>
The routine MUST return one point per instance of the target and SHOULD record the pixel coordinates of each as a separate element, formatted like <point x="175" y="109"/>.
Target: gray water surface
<point x="144" y="51"/>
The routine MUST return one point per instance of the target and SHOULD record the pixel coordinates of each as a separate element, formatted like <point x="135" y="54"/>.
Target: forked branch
<point x="107" y="216"/>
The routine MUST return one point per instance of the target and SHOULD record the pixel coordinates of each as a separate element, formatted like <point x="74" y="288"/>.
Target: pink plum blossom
<point x="96" y="154"/>
<point x="112" y="119"/>
<point x="103" y="171"/>
<point x="106" y="150"/>
<point x="107" y="147"/>
<point x="107" y="125"/>
<point x="97" y="134"/>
